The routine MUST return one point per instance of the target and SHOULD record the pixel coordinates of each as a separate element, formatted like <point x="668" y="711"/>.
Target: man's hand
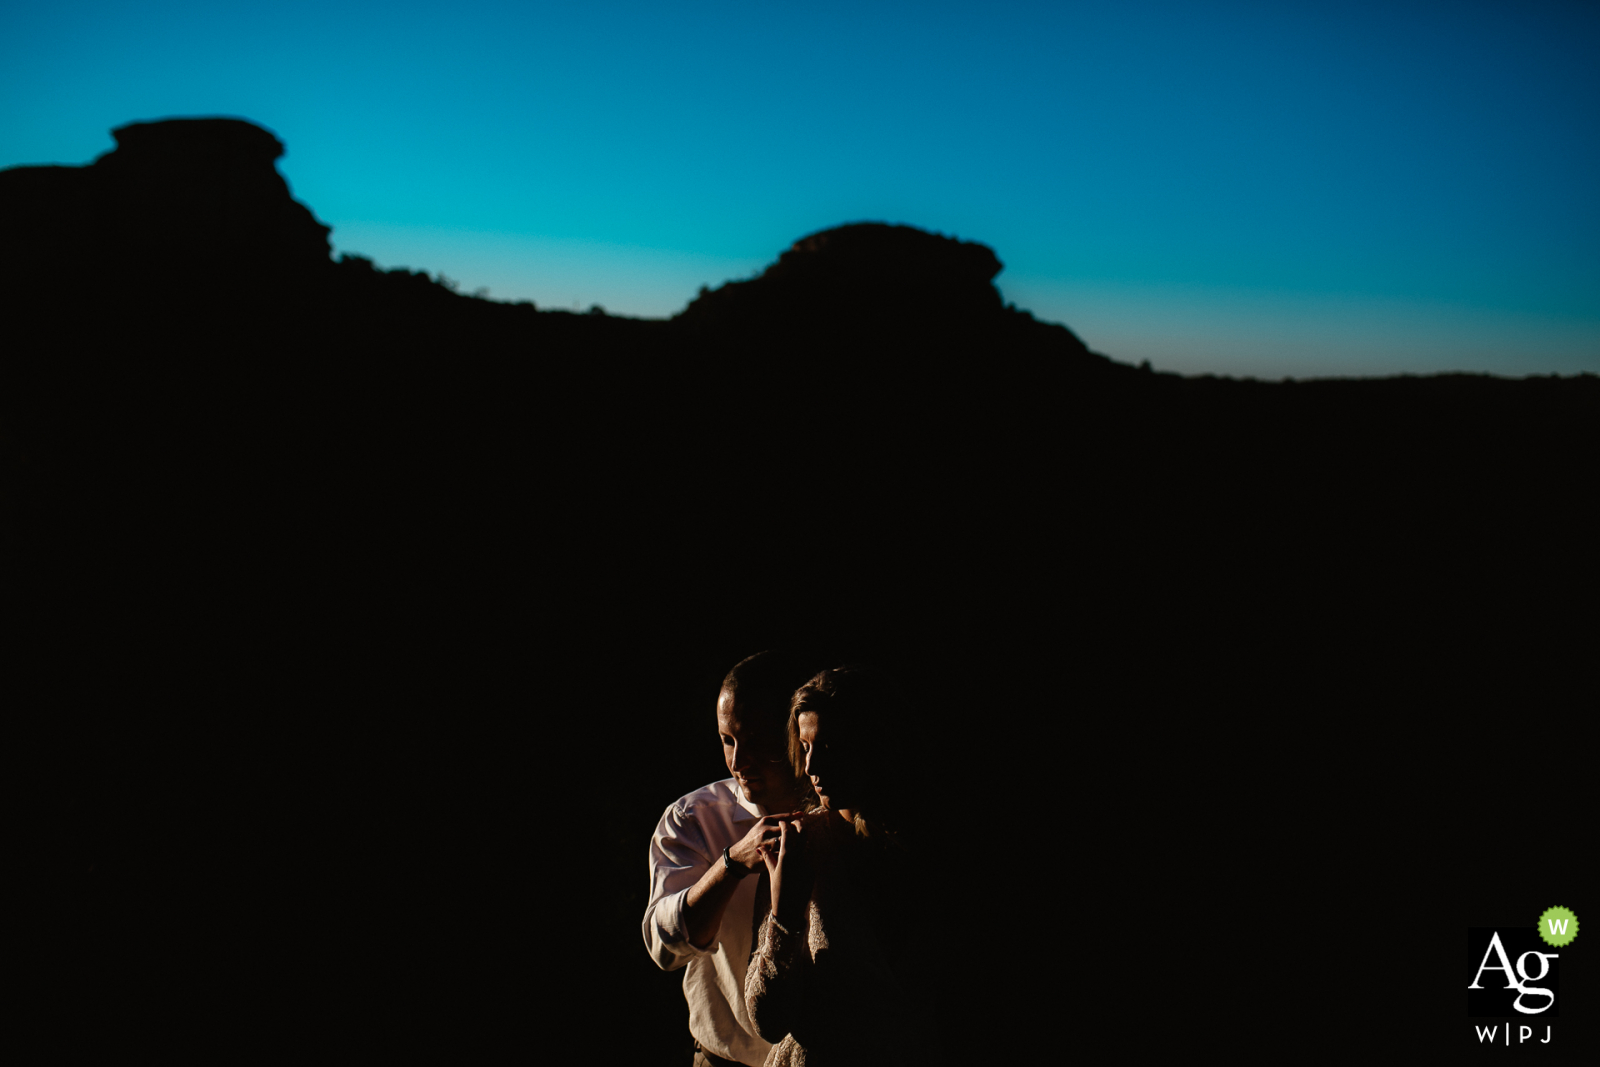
<point x="708" y="898"/>
<point x="749" y="848"/>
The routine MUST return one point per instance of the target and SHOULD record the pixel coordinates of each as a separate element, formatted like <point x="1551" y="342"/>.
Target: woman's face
<point x="827" y="762"/>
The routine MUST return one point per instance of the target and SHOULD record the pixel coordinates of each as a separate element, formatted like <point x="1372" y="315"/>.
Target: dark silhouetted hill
<point x="894" y="279"/>
<point x="366" y="628"/>
<point x="196" y="200"/>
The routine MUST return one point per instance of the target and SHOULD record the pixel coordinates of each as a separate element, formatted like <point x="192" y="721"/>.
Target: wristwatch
<point x="738" y="870"/>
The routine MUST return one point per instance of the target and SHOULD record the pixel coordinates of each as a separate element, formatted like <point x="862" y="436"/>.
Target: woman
<point x="821" y="986"/>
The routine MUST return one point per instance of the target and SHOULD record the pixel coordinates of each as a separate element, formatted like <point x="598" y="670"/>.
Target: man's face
<point x="757" y="758"/>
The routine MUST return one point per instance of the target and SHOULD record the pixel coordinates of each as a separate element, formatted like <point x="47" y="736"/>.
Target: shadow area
<point x="364" y="629"/>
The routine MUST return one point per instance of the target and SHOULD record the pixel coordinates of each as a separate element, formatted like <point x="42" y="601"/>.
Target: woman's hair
<point x="867" y="705"/>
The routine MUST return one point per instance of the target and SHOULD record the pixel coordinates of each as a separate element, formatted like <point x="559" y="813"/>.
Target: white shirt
<point x="688" y="840"/>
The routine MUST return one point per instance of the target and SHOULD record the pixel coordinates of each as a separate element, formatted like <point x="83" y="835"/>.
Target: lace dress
<point x="824" y="995"/>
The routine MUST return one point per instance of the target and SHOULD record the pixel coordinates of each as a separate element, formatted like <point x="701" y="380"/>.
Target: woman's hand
<point x="789" y="873"/>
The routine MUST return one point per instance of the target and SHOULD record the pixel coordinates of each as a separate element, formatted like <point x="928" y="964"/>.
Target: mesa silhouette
<point x="176" y="276"/>
<point x="181" y="339"/>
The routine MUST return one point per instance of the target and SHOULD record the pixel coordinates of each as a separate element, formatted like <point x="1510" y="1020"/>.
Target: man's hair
<point x="764" y="684"/>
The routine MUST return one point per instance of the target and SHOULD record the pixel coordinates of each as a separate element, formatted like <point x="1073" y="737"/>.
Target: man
<point x="707" y="877"/>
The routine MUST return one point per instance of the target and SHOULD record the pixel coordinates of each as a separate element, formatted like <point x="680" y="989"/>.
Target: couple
<point x="780" y="888"/>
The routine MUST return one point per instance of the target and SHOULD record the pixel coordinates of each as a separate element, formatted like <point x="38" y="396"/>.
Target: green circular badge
<point x="1558" y="926"/>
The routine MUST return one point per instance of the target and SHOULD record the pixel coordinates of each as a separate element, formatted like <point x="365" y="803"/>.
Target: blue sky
<point x="1259" y="189"/>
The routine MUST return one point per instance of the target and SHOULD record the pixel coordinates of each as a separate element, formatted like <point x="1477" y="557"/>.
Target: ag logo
<point x="1511" y="972"/>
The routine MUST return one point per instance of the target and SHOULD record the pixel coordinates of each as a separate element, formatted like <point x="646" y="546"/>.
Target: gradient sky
<point x="1263" y="189"/>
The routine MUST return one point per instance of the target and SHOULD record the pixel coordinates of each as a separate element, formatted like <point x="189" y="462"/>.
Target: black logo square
<point x="1512" y="973"/>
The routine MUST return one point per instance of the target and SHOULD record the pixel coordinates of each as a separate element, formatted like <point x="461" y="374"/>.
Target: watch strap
<point x="738" y="870"/>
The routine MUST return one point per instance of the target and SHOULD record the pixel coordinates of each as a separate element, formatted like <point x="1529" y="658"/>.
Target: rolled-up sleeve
<point x="678" y="859"/>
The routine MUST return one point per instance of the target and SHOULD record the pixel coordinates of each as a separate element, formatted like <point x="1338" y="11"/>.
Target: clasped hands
<point x="776" y="841"/>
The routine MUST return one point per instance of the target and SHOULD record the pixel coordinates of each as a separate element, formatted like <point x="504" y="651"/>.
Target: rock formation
<point x="178" y="204"/>
<point x="897" y="273"/>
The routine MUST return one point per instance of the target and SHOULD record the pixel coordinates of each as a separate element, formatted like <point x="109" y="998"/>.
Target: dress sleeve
<point x="775" y="983"/>
<point x="678" y="858"/>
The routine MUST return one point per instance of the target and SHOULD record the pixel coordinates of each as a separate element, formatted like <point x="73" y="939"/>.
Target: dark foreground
<point x="362" y="630"/>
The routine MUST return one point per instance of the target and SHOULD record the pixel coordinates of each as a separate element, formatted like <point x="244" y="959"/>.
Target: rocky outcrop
<point x="867" y="270"/>
<point x="880" y="301"/>
<point x="177" y="204"/>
